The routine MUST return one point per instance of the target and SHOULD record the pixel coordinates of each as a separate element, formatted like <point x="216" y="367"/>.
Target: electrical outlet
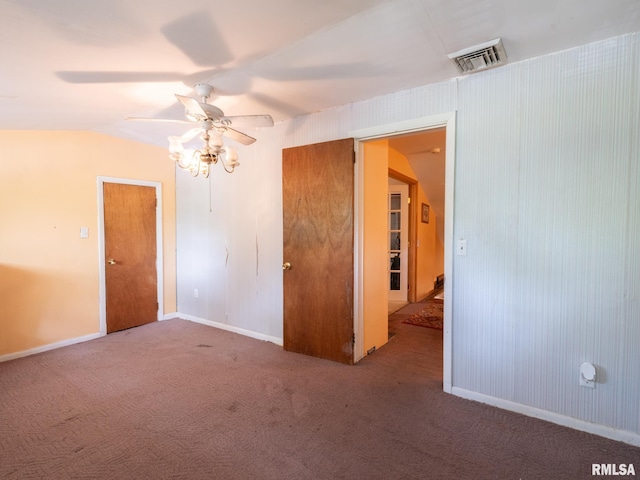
<point x="195" y="293"/>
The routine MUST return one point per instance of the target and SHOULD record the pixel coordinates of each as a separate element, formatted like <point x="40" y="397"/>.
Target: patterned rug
<point x="431" y="316"/>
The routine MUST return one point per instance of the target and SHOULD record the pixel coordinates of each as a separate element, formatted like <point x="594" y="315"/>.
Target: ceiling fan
<point x="212" y="125"/>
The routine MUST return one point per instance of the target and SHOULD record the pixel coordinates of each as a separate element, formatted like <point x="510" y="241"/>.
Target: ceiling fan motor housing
<point x="203" y="90"/>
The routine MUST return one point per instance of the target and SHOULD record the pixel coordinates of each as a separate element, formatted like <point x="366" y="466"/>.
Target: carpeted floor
<point x="180" y="400"/>
<point x="395" y="305"/>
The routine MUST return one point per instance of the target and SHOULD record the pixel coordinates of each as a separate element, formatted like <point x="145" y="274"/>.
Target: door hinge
<point x="157" y="306"/>
<point x="353" y="340"/>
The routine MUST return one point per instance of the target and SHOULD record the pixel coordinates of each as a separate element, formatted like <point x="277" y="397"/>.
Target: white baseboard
<point x="575" y="423"/>
<point x="168" y="316"/>
<point x="51" y="346"/>
<point x="230" y="328"/>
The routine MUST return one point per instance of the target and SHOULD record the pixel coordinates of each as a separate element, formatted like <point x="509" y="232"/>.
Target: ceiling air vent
<point x="480" y="57"/>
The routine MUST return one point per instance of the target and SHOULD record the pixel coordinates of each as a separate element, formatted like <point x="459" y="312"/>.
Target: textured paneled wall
<point x="547" y="182"/>
<point x="547" y="197"/>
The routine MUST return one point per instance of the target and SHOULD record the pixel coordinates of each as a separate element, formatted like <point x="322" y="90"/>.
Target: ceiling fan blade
<point x="249" y="120"/>
<point x="191" y="134"/>
<point x="322" y="72"/>
<point x="213" y="111"/>
<point x="193" y="107"/>
<point x="118" y="77"/>
<point x="197" y="77"/>
<point x="200" y="111"/>
<point x="168" y="120"/>
<point x="207" y="47"/>
<point x="136" y="77"/>
<point x="276" y="104"/>
<point x="238" y="136"/>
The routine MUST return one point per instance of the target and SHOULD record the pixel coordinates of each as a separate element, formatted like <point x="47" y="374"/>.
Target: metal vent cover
<point x="486" y="55"/>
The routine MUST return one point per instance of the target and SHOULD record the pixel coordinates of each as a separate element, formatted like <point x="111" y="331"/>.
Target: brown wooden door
<point x="130" y="255"/>
<point x="318" y="245"/>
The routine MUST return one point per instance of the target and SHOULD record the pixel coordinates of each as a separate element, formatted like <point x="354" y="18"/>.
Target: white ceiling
<point x="88" y="64"/>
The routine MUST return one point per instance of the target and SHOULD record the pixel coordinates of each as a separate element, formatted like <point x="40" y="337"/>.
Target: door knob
<point x="286" y="266"/>
<point x="111" y="261"/>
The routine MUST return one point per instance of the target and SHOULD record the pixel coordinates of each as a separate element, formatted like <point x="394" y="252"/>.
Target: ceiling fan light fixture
<point x="215" y="140"/>
<point x="199" y="162"/>
<point x="212" y="125"/>
<point x="232" y="156"/>
<point x="198" y="167"/>
<point x="176" y="148"/>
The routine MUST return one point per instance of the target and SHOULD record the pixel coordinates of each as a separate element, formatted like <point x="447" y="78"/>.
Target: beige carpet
<point x="395" y="305"/>
<point x="179" y="400"/>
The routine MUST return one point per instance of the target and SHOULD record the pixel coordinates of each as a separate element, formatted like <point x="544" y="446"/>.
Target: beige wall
<point x="48" y="190"/>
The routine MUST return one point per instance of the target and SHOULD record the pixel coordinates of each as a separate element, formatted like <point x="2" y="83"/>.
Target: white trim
<point x="403" y="190"/>
<point x="46" y="348"/>
<point x="449" y="200"/>
<point x="406" y="126"/>
<point x="101" y="252"/>
<point x="358" y="255"/>
<point x="570" y="422"/>
<point x="231" y="328"/>
<point x="447" y="120"/>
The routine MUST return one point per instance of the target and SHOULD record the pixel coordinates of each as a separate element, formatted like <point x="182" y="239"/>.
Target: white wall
<point x="547" y="196"/>
<point x="547" y="170"/>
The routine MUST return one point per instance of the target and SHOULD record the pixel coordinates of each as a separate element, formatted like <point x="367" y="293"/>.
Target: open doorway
<point x="413" y="217"/>
<point x="419" y="160"/>
<point x="402" y="142"/>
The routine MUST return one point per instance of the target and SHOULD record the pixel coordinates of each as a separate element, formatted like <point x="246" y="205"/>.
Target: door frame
<point x="405" y="233"/>
<point x="101" y="245"/>
<point x="447" y="120"/>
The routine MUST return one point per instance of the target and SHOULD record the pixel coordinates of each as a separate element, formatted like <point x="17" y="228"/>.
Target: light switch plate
<point x="461" y="247"/>
<point x="84" y="232"/>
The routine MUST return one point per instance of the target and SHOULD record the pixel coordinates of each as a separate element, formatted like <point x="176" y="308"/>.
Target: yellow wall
<point x="430" y="251"/>
<point x="375" y="248"/>
<point x="48" y="189"/>
<point x="400" y="164"/>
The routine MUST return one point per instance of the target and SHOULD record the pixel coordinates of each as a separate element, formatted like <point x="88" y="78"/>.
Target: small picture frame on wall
<point x="425" y="213"/>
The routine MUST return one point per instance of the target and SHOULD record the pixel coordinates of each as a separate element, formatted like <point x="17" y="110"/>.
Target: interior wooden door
<point x="130" y="255"/>
<point x="318" y="249"/>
